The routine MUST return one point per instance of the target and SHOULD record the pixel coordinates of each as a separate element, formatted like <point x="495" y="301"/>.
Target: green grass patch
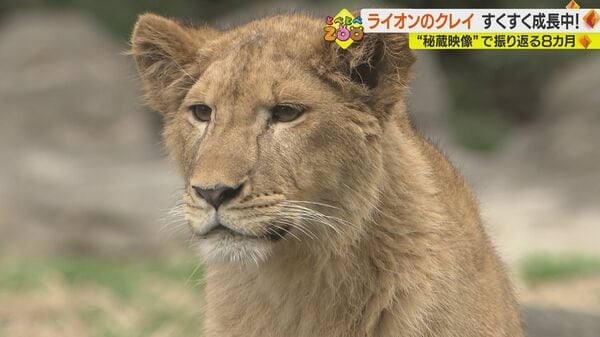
<point x="542" y="267"/>
<point x="102" y="297"/>
<point x="120" y="276"/>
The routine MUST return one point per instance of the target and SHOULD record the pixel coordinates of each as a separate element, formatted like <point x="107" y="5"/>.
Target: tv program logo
<point x="344" y="29"/>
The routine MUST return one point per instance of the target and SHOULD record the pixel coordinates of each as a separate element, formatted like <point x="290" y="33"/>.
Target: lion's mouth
<point x="220" y="228"/>
<point x="273" y="233"/>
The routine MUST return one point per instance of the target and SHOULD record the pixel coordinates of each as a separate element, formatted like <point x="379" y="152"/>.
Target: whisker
<point x="285" y="218"/>
<point x="293" y="225"/>
<point x="313" y="203"/>
<point x="283" y="229"/>
<point x="324" y="218"/>
<point x="193" y="273"/>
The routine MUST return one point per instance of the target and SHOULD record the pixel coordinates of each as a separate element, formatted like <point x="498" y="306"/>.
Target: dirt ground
<point x="581" y="294"/>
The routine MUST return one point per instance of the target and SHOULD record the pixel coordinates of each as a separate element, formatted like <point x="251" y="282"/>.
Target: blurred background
<point x="88" y="246"/>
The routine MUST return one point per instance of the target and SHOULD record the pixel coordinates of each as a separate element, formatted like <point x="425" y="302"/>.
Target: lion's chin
<point x="219" y="249"/>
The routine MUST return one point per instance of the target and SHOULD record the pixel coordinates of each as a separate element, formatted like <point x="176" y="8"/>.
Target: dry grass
<point x="98" y="297"/>
<point x="567" y="281"/>
<point x="579" y="294"/>
<point x="80" y="297"/>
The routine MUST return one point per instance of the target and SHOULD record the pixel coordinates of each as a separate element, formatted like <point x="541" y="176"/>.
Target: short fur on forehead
<point x="169" y="59"/>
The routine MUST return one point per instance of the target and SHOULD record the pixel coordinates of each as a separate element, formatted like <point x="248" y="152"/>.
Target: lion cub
<point x="317" y="209"/>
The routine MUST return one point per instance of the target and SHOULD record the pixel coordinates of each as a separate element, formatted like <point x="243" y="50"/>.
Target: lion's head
<point x="276" y="131"/>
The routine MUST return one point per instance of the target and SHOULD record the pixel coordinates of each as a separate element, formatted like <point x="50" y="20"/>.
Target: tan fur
<point x="384" y="236"/>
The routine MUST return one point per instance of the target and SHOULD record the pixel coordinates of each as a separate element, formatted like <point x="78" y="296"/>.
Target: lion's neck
<point x="313" y="296"/>
<point x="317" y="295"/>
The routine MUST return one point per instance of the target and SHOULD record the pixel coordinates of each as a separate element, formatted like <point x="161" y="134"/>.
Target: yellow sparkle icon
<point x="585" y="41"/>
<point x="591" y="18"/>
<point x="572" y="5"/>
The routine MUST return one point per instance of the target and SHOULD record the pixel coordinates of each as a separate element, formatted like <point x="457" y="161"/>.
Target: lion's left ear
<point x="382" y="63"/>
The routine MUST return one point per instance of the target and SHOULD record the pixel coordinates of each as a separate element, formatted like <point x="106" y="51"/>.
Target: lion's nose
<point x="216" y="196"/>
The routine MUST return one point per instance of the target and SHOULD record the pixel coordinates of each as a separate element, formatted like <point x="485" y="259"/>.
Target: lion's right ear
<point x="166" y="55"/>
<point x="380" y="62"/>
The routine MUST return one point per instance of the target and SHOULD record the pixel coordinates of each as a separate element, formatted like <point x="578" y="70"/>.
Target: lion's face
<point x="276" y="157"/>
<point x="283" y="143"/>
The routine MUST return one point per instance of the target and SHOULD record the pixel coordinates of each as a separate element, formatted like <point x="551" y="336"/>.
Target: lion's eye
<point x="201" y="112"/>
<point x="286" y="113"/>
